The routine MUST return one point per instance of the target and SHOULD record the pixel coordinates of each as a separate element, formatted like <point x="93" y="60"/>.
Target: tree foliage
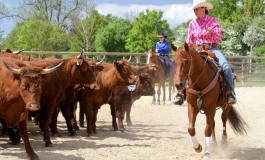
<point x="145" y="29"/>
<point x="37" y="35"/>
<point x="226" y="10"/>
<point x="112" y="38"/>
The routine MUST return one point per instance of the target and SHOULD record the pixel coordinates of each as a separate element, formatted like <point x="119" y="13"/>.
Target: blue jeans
<point x="220" y="58"/>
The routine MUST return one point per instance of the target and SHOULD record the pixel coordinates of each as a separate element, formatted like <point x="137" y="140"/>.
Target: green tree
<point x="83" y="33"/>
<point x="145" y="29"/>
<point x="260" y="52"/>
<point x="36" y="35"/>
<point x="226" y="10"/>
<point x="112" y="38"/>
<point x="252" y="9"/>
<point x="255" y="34"/>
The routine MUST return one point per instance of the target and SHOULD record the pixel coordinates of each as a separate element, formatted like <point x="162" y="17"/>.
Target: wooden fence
<point x="251" y="70"/>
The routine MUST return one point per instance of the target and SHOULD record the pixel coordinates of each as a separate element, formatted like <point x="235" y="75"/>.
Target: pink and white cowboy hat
<point x="202" y="3"/>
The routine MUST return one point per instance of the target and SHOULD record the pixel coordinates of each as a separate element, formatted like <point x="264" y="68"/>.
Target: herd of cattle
<point x="40" y="88"/>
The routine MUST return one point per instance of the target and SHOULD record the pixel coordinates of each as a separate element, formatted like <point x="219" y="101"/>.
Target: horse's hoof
<point x="206" y="156"/>
<point x="199" y="149"/>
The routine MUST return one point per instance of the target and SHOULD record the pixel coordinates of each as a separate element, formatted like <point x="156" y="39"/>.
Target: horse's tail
<point x="236" y="121"/>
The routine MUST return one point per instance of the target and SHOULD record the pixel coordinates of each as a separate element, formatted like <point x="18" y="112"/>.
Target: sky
<point x="175" y="11"/>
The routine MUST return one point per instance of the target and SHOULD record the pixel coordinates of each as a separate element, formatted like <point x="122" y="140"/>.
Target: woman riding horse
<point x="207" y="33"/>
<point x="162" y="50"/>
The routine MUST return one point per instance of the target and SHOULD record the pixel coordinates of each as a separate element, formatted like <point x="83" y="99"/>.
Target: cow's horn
<point x="13" y="70"/>
<point x="50" y="70"/>
<point x="17" y="52"/>
<point x="101" y="60"/>
<point x="81" y="54"/>
<point x="129" y="58"/>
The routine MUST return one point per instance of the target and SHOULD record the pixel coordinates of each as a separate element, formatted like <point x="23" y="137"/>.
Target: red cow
<point x="113" y="75"/>
<point x="67" y="103"/>
<point x="20" y="90"/>
<point x="73" y="71"/>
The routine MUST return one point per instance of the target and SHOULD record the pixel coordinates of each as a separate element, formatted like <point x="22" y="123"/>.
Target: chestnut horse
<point x="204" y="94"/>
<point x="151" y="57"/>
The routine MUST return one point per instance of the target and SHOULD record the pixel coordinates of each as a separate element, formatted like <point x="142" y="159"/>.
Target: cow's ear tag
<point x="131" y="87"/>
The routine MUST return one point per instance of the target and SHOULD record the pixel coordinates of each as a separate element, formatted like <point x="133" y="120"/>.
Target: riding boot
<point x="231" y="96"/>
<point x="179" y="98"/>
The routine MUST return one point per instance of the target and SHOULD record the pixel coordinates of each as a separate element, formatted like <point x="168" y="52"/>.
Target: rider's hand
<point x="156" y="50"/>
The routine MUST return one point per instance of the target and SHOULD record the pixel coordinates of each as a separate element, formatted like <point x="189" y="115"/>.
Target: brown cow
<point x="122" y="99"/>
<point x="73" y="71"/>
<point x="113" y="75"/>
<point x="67" y="103"/>
<point x="20" y="90"/>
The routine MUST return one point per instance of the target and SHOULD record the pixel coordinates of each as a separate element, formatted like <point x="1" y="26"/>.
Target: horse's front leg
<point x="192" y="114"/>
<point x="210" y="113"/>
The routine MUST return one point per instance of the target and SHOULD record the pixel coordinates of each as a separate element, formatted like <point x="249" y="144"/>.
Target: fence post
<point x="137" y="59"/>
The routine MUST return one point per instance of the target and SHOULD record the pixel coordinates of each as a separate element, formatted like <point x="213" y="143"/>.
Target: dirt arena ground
<point x="158" y="133"/>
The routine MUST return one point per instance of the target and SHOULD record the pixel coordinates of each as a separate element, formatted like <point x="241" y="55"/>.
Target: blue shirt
<point x="162" y="47"/>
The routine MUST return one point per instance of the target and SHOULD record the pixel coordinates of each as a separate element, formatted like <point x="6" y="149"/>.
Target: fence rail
<point x="251" y="70"/>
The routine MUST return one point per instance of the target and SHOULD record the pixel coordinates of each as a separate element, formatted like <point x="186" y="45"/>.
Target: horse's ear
<point x="186" y="46"/>
<point x="174" y="48"/>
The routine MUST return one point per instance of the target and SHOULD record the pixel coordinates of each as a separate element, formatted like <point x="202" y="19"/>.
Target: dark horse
<point x="151" y="57"/>
<point x="205" y="93"/>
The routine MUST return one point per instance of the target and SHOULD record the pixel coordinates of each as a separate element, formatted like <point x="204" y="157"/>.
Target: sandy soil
<point x="158" y="133"/>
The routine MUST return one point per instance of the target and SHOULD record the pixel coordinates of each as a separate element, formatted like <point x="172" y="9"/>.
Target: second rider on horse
<point x="162" y="50"/>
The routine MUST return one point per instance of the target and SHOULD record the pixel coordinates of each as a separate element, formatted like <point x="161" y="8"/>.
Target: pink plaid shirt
<point x="197" y="29"/>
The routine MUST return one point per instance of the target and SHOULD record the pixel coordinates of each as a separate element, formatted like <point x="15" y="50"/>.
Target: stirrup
<point x="231" y="99"/>
<point x="179" y="100"/>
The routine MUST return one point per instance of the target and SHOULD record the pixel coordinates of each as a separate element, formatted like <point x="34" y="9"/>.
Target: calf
<point x="122" y="99"/>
